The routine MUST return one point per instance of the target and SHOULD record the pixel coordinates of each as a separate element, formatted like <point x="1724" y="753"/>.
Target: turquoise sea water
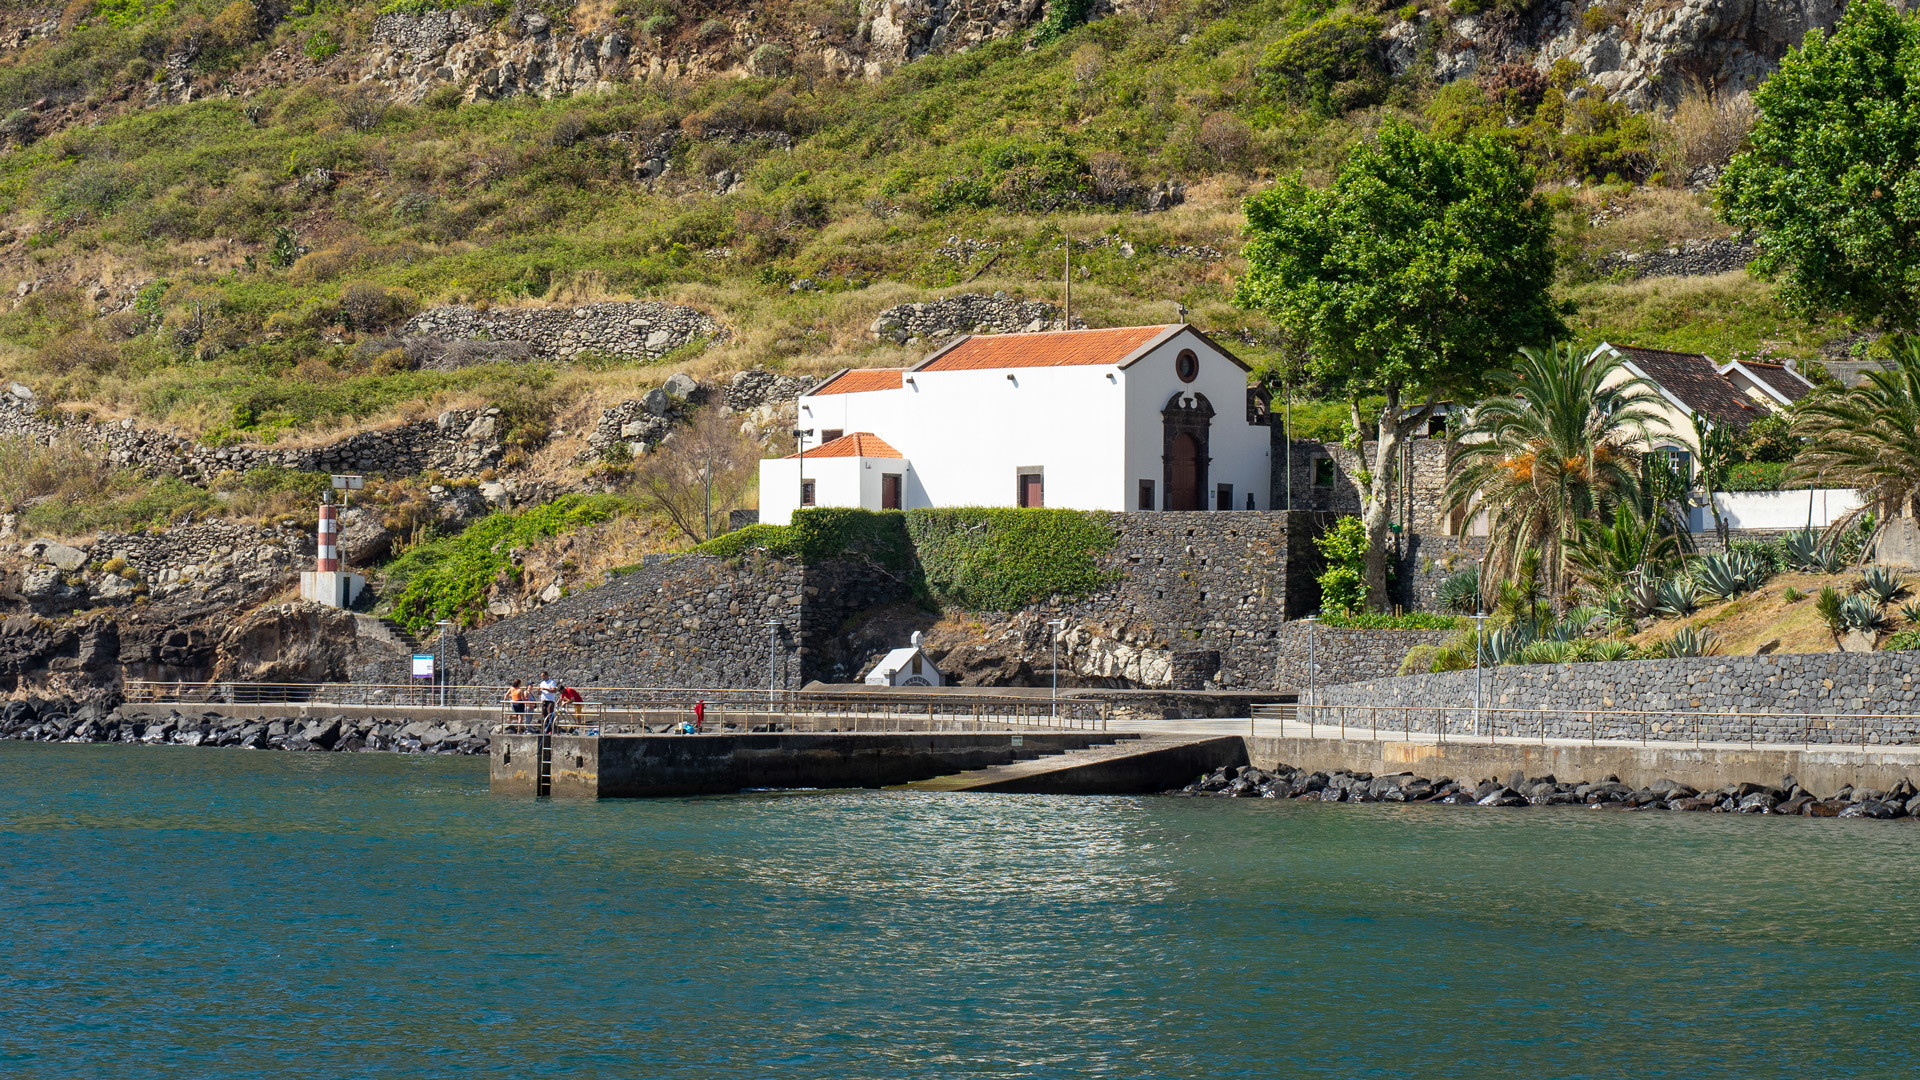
<point x="172" y="912"/>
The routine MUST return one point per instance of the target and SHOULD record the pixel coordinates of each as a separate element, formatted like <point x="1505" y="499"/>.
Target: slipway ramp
<point x="1138" y="766"/>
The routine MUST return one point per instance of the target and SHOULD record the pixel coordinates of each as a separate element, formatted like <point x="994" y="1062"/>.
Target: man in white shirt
<point x="549" y="695"/>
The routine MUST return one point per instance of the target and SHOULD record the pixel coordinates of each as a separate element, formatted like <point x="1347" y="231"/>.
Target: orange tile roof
<point x="1059" y="348"/>
<point x="859" y="381"/>
<point x="858" y="444"/>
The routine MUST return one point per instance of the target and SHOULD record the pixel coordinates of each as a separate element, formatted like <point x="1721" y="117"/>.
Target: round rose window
<point x="1186" y="365"/>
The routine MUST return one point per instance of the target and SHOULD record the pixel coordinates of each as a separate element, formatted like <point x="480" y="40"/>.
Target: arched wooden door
<point x="1184" y="482"/>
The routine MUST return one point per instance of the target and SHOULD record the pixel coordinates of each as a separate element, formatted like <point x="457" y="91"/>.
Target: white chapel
<point x="1130" y="418"/>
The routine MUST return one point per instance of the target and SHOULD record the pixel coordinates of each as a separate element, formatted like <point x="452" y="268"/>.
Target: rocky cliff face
<point x="1644" y="54"/>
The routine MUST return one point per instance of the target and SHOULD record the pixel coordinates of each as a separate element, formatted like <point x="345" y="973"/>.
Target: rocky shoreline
<point x="1341" y="785"/>
<point x="25" y="721"/>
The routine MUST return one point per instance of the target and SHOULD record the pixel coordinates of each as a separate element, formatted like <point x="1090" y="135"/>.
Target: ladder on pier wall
<point x="543" y="776"/>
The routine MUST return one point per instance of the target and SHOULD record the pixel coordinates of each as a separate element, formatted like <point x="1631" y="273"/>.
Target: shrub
<point x="1343" y="586"/>
<point x="1758" y="476"/>
<point x="1905" y="639"/>
<point x="770" y="60"/>
<point x="1339" y="50"/>
<point x="1000" y="559"/>
<point x="1827" y="604"/>
<point x="1708" y="129"/>
<point x="1376" y="620"/>
<point x="448" y="578"/>
<point x="370" y="307"/>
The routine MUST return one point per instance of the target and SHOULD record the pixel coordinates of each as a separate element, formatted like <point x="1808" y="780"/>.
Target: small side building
<point x="907" y="667"/>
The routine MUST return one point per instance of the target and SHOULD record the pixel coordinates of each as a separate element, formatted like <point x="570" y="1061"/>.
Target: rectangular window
<point x="1223" y="497"/>
<point x="1680" y="461"/>
<point x="1323" y="472"/>
<point x="1031" y="488"/>
<point x="831" y="434"/>
<point x="1146" y="495"/>
<point x="806" y="493"/>
<point x="889" y="491"/>
<point x="1436" y="427"/>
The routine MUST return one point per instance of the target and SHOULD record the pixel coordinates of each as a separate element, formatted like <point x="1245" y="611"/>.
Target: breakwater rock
<point x="58" y="722"/>
<point x="1287" y="782"/>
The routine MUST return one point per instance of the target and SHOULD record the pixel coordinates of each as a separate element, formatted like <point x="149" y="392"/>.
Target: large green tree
<point x="1830" y="187"/>
<point x="1412" y="278"/>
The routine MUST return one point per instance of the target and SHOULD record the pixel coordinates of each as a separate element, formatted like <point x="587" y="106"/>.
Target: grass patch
<point x="1375" y="620"/>
<point x="447" y="578"/>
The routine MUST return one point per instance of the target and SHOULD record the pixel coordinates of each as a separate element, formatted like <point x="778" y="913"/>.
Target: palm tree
<point x="1867" y="438"/>
<point x="1555" y="447"/>
<point x="1605" y="553"/>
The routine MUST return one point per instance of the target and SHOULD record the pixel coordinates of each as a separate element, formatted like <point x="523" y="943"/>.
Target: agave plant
<point x="1727" y="576"/>
<point x="1612" y="650"/>
<point x="1584" y="616"/>
<point x="1461" y="592"/>
<point x="1883" y="584"/>
<point x="1642" y="596"/>
<point x="1687" y="641"/>
<point x="1806" y="551"/>
<point x="1545" y="652"/>
<point x="1678" y="598"/>
<point x="1859" y="612"/>
<point x="1507" y="641"/>
<point x="1912" y="613"/>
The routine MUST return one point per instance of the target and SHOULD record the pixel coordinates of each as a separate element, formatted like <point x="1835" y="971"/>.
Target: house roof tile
<point x="1059" y="348"/>
<point x="1784" y="382"/>
<point x="858" y="444"/>
<point x="1696" y="382"/>
<point x="859" y="381"/>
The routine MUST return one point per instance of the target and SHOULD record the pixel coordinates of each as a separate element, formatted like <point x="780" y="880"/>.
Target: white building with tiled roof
<point x="1131" y="418"/>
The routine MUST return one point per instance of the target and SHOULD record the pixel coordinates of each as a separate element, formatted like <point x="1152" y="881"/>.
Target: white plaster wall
<point x="837" y="481"/>
<point x="848" y="413"/>
<point x="1240" y="451"/>
<point x="967" y="432"/>
<point x="1776" y="509"/>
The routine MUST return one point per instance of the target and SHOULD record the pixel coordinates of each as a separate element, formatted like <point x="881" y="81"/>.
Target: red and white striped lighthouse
<point x="327" y="555"/>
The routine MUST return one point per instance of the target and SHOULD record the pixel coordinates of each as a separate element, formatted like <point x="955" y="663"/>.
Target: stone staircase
<point x="388" y="632"/>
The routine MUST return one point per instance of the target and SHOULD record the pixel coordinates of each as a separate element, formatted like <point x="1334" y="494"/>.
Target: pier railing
<point x="1464" y="723"/>
<point x="632" y="709"/>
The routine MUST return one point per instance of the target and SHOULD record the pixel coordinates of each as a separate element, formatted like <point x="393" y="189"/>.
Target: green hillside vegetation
<point x="284" y="233"/>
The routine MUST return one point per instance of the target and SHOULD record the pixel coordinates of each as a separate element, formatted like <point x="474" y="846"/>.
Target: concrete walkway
<point x="1134" y="765"/>
<point x="1294" y="729"/>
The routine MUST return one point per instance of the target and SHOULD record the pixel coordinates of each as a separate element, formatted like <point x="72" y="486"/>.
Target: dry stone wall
<point x="968" y="313"/>
<point x="457" y="443"/>
<point x="640" y="330"/>
<point x="1714" y="698"/>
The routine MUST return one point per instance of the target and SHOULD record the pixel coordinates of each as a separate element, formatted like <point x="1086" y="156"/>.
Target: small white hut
<point x="906" y="667"/>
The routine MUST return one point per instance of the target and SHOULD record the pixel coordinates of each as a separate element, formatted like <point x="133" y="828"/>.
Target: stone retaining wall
<point x="968" y="313"/>
<point x="1602" y="700"/>
<point x="691" y="621"/>
<point x="457" y="443"/>
<point x="641" y="329"/>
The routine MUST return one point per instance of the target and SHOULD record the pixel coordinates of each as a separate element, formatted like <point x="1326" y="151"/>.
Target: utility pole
<point x="1057" y="624"/>
<point x="709" y="479"/>
<point x="800" y="440"/>
<point x="1479" y="634"/>
<point x="1066" y="320"/>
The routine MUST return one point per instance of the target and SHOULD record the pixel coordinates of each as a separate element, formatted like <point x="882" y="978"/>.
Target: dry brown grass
<point x="1707" y="129"/>
<point x="1746" y="624"/>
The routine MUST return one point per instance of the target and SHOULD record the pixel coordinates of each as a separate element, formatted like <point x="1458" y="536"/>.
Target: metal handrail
<point x="628" y="708"/>
<point x="1459" y="723"/>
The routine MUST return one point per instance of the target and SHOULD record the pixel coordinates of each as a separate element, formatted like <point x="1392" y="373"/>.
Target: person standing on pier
<point x="549" y="696"/>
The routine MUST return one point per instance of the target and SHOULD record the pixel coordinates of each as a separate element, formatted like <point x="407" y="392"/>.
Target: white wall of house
<point x="1092" y="431"/>
<point x="970" y="433"/>
<point x="1777" y="510"/>
<point x="871" y="410"/>
<point x="837" y="481"/>
<point x="1240" y="451"/>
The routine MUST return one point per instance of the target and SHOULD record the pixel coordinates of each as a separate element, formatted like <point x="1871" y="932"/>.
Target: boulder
<point x="1502" y="796"/>
<point x="64" y="557"/>
<point x="680" y="386"/>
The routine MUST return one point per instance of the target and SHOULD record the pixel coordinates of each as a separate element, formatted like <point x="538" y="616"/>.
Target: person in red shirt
<point x="699" y="715"/>
<point x="570" y="696"/>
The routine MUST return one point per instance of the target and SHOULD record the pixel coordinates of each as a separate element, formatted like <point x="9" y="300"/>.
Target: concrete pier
<point x="639" y="766"/>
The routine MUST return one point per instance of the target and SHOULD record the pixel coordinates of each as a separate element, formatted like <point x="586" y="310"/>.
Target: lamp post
<point x="1479" y="633"/>
<point x="800" y="440"/>
<point x="1054" y="704"/>
<point x="440" y="660"/>
<point x="1313" y="697"/>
